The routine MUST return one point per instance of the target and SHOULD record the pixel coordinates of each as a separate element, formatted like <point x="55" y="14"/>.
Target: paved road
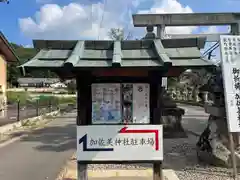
<point x="195" y="119"/>
<point x="42" y="154"/>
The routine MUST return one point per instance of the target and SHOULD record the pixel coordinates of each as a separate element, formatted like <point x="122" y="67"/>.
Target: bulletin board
<point x="117" y="103"/>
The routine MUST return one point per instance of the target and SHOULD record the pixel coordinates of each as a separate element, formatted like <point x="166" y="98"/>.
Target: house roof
<point x="128" y="53"/>
<point x="7" y="50"/>
<point x="37" y="80"/>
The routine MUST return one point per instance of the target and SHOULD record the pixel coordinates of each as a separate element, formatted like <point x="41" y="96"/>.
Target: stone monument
<point x="213" y="144"/>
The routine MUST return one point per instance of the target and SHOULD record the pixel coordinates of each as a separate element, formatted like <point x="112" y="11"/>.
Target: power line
<point x="212" y="48"/>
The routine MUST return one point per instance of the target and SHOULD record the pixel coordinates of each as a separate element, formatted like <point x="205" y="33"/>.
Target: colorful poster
<point x="106" y="103"/>
<point x="141" y="113"/>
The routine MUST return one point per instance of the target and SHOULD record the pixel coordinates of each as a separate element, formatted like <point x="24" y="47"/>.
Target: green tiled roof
<point x="137" y="53"/>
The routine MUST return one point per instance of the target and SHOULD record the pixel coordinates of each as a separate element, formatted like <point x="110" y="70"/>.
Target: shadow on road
<point x="56" y="138"/>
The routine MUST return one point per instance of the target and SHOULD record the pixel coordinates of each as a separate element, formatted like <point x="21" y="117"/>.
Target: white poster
<point x="106" y="103"/>
<point x="230" y="50"/>
<point x="120" y="143"/>
<point x="141" y="109"/>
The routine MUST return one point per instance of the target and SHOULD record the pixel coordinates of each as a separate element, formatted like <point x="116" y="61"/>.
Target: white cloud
<point x="77" y="21"/>
<point x="73" y="21"/>
<point x="171" y="6"/>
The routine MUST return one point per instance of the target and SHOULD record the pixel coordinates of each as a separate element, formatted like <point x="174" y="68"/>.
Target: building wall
<point x="3" y="80"/>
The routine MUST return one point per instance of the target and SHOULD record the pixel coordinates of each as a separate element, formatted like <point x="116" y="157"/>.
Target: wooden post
<point x="155" y="109"/>
<point x="83" y="114"/>
<point x="37" y="104"/>
<point x="18" y="110"/>
<point x="82" y="172"/>
<point x="234" y="163"/>
<point x="157" y="171"/>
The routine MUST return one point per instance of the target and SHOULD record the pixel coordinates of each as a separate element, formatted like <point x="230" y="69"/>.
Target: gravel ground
<point x="180" y="154"/>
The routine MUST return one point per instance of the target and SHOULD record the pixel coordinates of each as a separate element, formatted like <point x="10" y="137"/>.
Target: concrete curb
<point x="168" y="173"/>
<point x="65" y="169"/>
<point x="10" y="127"/>
<point x="120" y="173"/>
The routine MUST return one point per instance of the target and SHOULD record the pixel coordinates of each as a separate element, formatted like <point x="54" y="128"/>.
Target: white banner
<point x="230" y="50"/>
<point x="141" y="109"/>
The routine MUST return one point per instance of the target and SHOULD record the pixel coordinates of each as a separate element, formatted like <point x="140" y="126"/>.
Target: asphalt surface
<point x="42" y="154"/>
<point x="195" y="119"/>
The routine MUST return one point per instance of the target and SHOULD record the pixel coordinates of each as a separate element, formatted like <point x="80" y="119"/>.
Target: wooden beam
<point x="120" y="73"/>
<point x="83" y="114"/>
<point x="186" y="19"/>
<point x="155" y="114"/>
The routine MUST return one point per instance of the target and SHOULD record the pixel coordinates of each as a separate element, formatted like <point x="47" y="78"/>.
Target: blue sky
<point x="76" y="23"/>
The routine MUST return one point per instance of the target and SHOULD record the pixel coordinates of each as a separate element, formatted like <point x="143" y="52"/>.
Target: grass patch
<point x="24" y="98"/>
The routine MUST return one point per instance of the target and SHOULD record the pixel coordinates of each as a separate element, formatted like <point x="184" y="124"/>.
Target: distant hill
<point x="25" y="54"/>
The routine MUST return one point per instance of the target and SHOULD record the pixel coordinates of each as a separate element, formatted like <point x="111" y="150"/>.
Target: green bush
<point x="67" y="100"/>
<point x="13" y="97"/>
<point x="42" y="100"/>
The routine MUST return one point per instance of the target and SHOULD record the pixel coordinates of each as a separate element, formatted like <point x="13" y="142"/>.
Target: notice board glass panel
<point x="106" y="103"/>
<point x="116" y="103"/>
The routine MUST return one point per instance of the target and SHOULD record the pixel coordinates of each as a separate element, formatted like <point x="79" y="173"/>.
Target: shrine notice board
<point x="98" y="143"/>
<point x="115" y="103"/>
<point x="230" y="50"/>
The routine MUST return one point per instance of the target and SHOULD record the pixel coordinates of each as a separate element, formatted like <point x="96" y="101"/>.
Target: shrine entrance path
<point x="195" y="118"/>
<point x="41" y="154"/>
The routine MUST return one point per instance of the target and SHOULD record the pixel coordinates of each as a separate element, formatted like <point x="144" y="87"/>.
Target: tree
<point x="194" y="79"/>
<point x="118" y="34"/>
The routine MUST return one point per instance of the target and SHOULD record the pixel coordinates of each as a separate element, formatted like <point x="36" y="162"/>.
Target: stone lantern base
<point x="171" y="118"/>
<point x="213" y="144"/>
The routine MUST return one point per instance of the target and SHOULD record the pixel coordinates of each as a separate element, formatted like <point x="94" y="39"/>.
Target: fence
<point x="22" y="110"/>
